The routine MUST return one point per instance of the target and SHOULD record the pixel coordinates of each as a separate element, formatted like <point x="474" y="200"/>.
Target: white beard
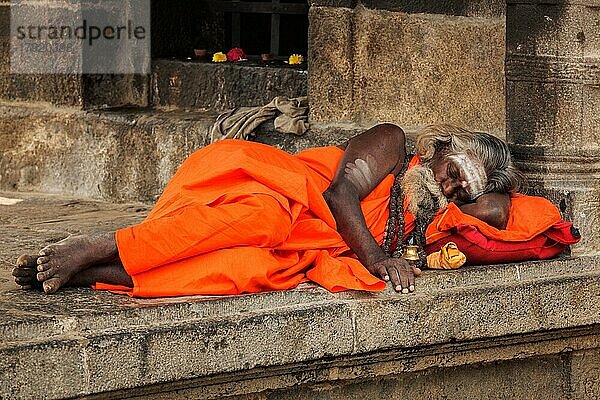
<point x="425" y="196"/>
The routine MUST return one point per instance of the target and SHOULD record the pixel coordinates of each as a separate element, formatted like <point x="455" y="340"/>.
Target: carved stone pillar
<point x="553" y="105"/>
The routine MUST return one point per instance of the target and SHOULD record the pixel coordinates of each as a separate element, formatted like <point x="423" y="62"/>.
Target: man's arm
<point x="367" y="159"/>
<point x="491" y="208"/>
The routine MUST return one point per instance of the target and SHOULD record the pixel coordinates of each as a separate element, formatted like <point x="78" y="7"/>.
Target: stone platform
<point x="526" y="331"/>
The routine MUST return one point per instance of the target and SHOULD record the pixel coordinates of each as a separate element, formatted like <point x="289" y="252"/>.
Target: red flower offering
<point x="236" y="54"/>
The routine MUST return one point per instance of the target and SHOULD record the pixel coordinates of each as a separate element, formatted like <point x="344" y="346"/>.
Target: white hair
<point x="502" y="176"/>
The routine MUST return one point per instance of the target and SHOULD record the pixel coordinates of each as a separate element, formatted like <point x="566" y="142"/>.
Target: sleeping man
<point x="243" y="217"/>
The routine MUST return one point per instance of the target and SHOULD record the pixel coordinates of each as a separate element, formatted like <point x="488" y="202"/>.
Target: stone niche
<point x="408" y="62"/>
<point x="180" y="26"/>
<point x="181" y="80"/>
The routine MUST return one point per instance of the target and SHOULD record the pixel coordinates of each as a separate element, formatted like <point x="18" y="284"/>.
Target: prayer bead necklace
<point x="394" y="227"/>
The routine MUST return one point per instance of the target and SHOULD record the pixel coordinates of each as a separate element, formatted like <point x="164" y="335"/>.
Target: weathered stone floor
<point x="528" y="331"/>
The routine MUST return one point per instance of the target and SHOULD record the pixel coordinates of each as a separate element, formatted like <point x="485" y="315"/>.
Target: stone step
<point x="118" y="155"/>
<point x="529" y="330"/>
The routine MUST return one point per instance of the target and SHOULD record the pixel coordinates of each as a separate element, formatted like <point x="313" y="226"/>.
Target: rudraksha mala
<point x="394" y="227"/>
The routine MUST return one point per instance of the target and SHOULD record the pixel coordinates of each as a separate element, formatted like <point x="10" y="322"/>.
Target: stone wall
<point x="408" y="62"/>
<point x="70" y="90"/>
<point x="553" y="106"/>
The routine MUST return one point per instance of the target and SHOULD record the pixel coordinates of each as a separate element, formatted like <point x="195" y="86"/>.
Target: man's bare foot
<point x="58" y="262"/>
<point x="25" y="272"/>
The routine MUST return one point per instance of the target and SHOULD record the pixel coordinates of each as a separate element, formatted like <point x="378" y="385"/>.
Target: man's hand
<point x="399" y="271"/>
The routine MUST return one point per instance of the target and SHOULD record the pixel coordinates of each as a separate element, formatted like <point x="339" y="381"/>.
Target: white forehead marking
<point x="472" y="171"/>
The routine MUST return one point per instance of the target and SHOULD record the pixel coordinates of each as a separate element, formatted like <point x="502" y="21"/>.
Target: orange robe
<point x="243" y="217"/>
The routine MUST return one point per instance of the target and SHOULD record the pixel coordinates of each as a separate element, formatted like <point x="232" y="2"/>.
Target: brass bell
<point x="411" y="253"/>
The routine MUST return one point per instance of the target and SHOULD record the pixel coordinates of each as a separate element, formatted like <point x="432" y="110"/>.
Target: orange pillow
<point x="535" y="231"/>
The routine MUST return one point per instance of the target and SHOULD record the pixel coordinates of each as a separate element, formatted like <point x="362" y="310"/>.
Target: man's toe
<point x="26" y="261"/>
<point x="23" y="281"/>
<point x="47" y="274"/>
<point x="51" y="285"/>
<point x="23" y="272"/>
<point x="47" y="251"/>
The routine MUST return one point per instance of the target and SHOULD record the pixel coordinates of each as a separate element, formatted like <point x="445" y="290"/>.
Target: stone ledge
<point x="115" y="343"/>
<point x="204" y="85"/>
<point x="129" y="155"/>
<point x="536" y="316"/>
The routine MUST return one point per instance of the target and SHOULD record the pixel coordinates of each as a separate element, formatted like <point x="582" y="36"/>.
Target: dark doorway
<point x="279" y="27"/>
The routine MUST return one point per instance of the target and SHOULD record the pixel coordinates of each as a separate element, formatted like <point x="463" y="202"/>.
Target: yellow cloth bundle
<point x="449" y="257"/>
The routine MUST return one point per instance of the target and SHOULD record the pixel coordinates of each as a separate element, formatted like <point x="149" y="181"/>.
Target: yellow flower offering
<point x="296" y="59"/>
<point x="219" y="57"/>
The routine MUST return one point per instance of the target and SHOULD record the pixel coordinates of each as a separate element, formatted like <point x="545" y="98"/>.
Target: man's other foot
<point x="58" y="262"/>
<point x="25" y="273"/>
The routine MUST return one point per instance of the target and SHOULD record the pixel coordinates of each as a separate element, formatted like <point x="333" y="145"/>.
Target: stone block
<point x="331" y="62"/>
<point x="423" y="69"/>
<point x="61" y="90"/>
<point x="115" y="361"/>
<point x="84" y="92"/>
<point x="55" y="366"/>
<point x="4" y="46"/>
<point x="4" y="65"/>
<point x="557" y="114"/>
<point x="585" y="374"/>
<point x="561" y="29"/>
<point x="468" y="8"/>
<point x="473" y="311"/>
<point x="87" y="91"/>
<point x="189" y="85"/>
<point x="232" y="344"/>
<point x="333" y="3"/>
<point x="115" y="90"/>
<point x="502" y="380"/>
<point x="128" y="155"/>
<point x="5" y="20"/>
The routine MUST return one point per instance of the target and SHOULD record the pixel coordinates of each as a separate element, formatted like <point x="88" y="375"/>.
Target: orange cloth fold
<point x="529" y="216"/>
<point x="243" y="217"/>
